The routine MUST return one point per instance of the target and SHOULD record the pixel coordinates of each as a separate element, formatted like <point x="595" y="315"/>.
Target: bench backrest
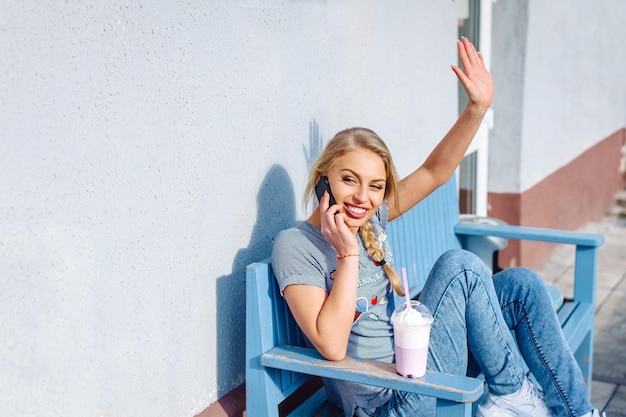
<point x="423" y="233"/>
<point x="418" y="238"/>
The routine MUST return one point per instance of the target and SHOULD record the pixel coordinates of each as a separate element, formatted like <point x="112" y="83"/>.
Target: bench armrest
<point x="586" y="249"/>
<point x="435" y="384"/>
<point x="529" y="233"/>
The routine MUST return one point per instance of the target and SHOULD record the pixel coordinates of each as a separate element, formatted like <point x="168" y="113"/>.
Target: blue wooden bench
<point x="279" y="367"/>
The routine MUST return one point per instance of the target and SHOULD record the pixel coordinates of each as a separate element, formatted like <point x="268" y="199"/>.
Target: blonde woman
<point x="336" y="271"/>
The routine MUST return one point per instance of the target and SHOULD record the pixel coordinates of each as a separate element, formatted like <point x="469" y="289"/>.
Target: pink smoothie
<point x="411" y="362"/>
<point x="411" y="333"/>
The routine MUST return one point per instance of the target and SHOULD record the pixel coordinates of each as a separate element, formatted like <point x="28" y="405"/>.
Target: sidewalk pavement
<point x="608" y="390"/>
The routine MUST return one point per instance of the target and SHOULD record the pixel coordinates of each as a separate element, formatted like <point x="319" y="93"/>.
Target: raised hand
<point x="475" y="78"/>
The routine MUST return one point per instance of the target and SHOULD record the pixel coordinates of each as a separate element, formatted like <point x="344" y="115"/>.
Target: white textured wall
<point x="560" y="86"/>
<point x="150" y="150"/>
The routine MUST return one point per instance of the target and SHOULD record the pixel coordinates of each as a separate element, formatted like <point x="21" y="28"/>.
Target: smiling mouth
<point x="356" y="211"/>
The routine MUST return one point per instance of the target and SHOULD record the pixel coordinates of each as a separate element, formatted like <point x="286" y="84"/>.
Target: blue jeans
<point x="477" y="319"/>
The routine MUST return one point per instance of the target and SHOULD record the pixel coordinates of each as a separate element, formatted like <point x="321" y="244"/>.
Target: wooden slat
<point x="261" y="401"/>
<point x="424" y="233"/>
<point x="577" y="323"/>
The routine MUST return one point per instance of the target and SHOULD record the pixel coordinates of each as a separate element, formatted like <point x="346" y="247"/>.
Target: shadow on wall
<point x="315" y="145"/>
<point x="275" y="212"/>
<point x="276" y="207"/>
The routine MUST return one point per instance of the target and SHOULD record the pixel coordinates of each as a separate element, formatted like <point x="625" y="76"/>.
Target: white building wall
<point x="150" y="150"/>
<point x="560" y="90"/>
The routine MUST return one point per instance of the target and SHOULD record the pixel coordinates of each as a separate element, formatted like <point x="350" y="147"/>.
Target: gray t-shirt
<point x="302" y="255"/>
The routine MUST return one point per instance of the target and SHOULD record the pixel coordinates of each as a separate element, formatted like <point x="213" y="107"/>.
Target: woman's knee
<point x="519" y="277"/>
<point x="458" y="264"/>
<point x="463" y="260"/>
<point x="521" y="283"/>
<point x="452" y="266"/>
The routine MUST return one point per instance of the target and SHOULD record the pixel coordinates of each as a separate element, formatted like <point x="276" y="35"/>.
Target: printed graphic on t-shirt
<point x="377" y="276"/>
<point x="361" y="305"/>
<point x="382" y="237"/>
<point x="375" y="300"/>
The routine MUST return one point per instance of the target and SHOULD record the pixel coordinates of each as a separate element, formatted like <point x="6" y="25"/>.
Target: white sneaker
<point x="594" y="413"/>
<point x="527" y="402"/>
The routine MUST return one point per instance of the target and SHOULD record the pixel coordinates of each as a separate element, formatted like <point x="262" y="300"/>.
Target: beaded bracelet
<point x="345" y="256"/>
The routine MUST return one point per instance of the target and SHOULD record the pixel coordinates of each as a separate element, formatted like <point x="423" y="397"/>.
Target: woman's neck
<point x="315" y="219"/>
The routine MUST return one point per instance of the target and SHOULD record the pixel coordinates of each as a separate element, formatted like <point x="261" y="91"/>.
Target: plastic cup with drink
<point x="411" y="327"/>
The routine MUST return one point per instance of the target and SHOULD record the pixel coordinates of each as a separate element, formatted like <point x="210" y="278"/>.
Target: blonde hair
<point x="351" y="140"/>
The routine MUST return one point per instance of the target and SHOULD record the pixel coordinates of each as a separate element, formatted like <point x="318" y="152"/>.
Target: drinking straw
<point x="406" y="289"/>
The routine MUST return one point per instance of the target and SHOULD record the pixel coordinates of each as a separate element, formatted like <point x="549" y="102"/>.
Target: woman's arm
<point x="326" y="318"/>
<point x="447" y="155"/>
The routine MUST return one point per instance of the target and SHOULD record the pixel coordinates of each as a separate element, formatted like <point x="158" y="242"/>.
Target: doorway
<point x="474" y="22"/>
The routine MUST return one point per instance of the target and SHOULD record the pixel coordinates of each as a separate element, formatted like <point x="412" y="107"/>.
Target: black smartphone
<point x="321" y="187"/>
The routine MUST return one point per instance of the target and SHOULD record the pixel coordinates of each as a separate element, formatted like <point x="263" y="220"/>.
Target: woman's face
<point x="358" y="180"/>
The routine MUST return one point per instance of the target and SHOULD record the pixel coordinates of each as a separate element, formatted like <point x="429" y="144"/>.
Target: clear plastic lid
<point x="417" y="315"/>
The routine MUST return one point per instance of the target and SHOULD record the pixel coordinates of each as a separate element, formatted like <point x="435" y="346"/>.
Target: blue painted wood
<point x="453" y="409"/>
<point x="274" y="343"/>
<point x="577" y="325"/>
<point x="584" y="274"/>
<point x="316" y="405"/>
<point x="530" y="233"/>
<point x="277" y="364"/>
<point x="577" y="315"/>
<point x="294" y="358"/>
<point x="422" y="234"/>
<point x="262" y="400"/>
<point x="556" y="295"/>
<point x="584" y="356"/>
